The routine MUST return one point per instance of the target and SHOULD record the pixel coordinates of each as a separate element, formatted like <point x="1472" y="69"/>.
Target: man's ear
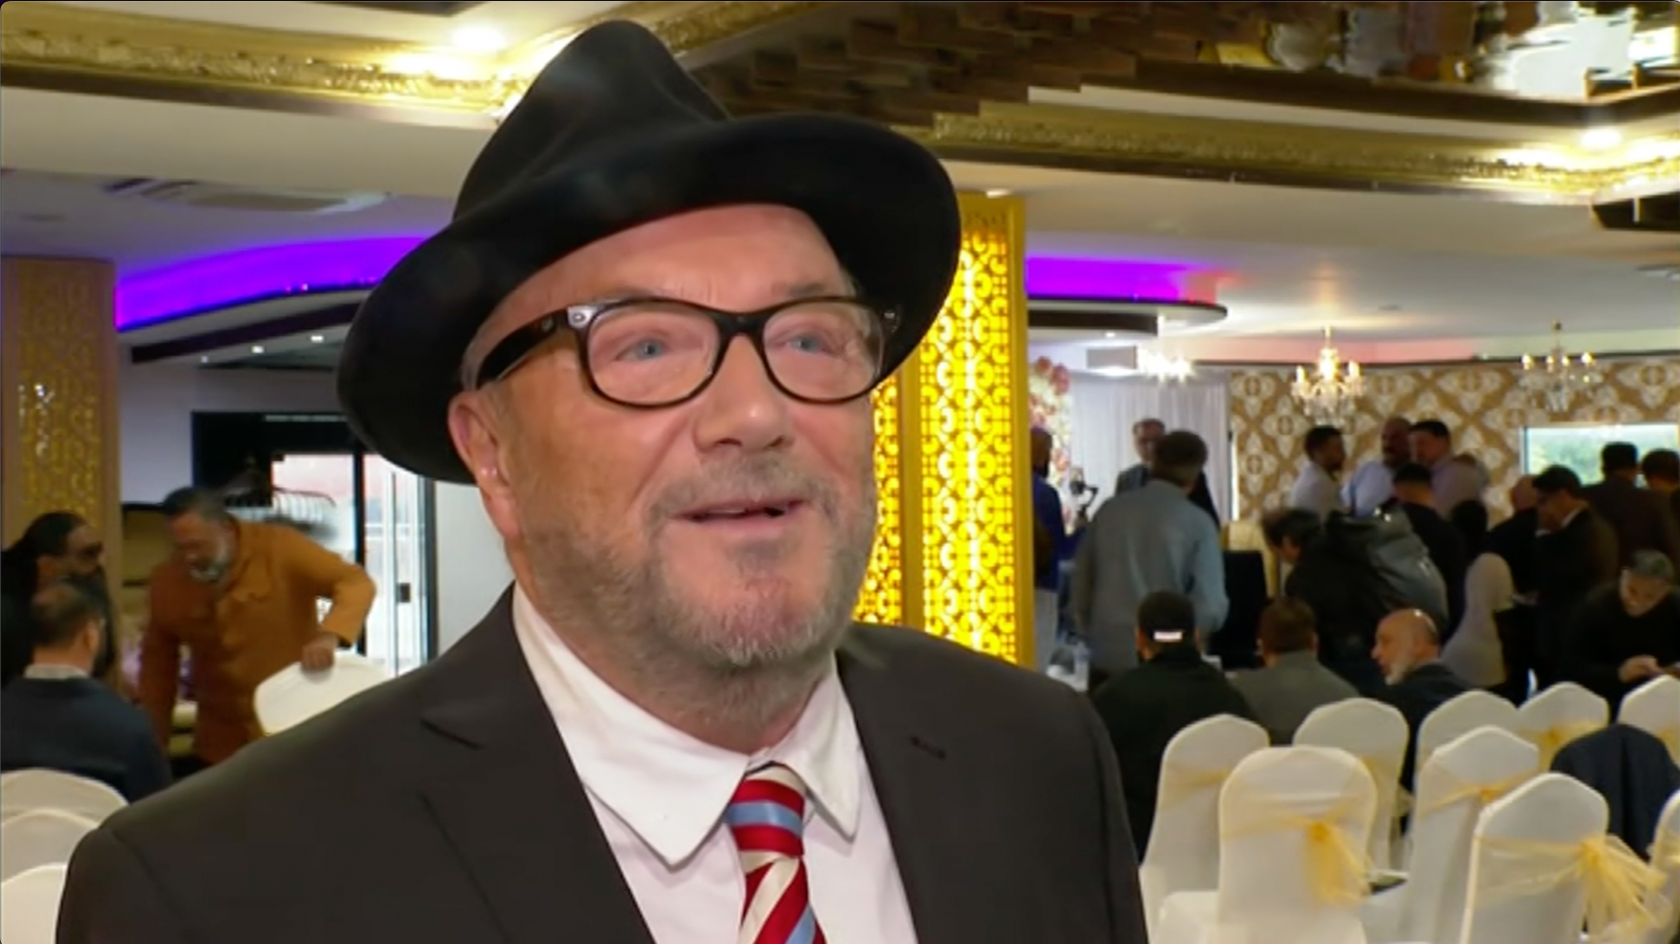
<point x="477" y="427"/>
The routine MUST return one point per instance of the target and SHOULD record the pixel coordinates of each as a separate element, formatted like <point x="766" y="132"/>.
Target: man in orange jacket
<point x="242" y="597"/>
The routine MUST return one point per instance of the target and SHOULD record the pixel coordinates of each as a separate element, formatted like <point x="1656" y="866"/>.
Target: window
<point x="1577" y="447"/>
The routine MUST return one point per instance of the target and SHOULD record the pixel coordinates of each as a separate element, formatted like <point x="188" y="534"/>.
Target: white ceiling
<point x="515" y="21"/>
<point x="1488" y="277"/>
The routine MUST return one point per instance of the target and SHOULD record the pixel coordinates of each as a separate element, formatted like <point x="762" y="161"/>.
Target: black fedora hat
<point x="614" y="134"/>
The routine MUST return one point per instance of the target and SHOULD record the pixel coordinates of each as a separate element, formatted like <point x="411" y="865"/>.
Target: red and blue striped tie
<point x="767" y="818"/>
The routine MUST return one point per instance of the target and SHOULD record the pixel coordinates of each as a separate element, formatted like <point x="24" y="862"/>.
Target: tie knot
<point x="767" y="813"/>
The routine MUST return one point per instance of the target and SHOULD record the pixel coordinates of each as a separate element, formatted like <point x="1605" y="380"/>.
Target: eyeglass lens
<point x="661" y="352"/>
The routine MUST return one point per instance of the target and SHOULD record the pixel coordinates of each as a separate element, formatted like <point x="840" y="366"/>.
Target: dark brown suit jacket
<point x="442" y="807"/>
<point x="1640" y="518"/>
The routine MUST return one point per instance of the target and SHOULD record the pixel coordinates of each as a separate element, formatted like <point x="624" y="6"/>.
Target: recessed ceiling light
<point x="1599" y="139"/>
<point x="1111" y="334"/>
<point x="204" y="359"/>
<point x="317" y="338"/>
<point x="480" y="39"/>
<point x="256" y="349"/>
<point x="998" y="192"/>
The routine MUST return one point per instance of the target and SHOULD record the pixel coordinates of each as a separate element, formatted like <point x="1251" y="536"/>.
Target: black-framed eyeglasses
<point x="659" y="352"/>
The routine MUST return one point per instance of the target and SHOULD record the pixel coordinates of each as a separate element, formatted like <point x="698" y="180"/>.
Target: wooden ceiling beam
<point x="938" y="28"/>
<point x="1008" y="18"/>
<point x="877" y="42"/>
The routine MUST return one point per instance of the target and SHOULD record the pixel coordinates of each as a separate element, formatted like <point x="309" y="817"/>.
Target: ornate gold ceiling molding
<point x="1100" y="139"/>
<point x="76" y="42"/>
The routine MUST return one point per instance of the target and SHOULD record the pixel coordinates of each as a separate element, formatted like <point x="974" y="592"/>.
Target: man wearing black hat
<point x="648" y="338"/>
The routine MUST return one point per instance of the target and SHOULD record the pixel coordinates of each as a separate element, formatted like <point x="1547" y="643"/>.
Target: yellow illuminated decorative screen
<point x="951" y="453"/>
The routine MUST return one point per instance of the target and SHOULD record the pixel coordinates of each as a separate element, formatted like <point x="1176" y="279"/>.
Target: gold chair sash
<point x="1665" y="850"/>
<point x="1555" y="738"/>
<point x="1458" y="789"/>
<point x="1670" y="736"/>
<point x="1337" y="862"/>
<point x="1621" y="890"/>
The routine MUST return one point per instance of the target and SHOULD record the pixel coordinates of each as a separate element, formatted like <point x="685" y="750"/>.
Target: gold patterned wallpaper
<point x="951" y="456"/>
<point x="1483" y="404"/>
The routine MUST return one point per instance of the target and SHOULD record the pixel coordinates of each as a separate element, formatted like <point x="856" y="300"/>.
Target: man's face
<point x="1332" y="455"/>
<point x="1428" y="449"/>
<point x="1553" y="508"/>
<point x="1145" y="437"/>
<point x="1395" y="651"/>
<point x="1288" y="551"/>
<point x="1640" y="595"/>
<point x="1397" y="442"/>
<point x="732" y="530"/>
<point x="1523" y="495"/>
<point x="84" y="556"/>
<point x="205" y="546"/>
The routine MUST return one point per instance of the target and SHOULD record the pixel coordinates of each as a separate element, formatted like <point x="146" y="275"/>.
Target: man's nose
<point x="743" y="406"/>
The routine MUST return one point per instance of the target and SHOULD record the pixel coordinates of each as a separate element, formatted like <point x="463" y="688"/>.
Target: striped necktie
<point x="767" y="818"/>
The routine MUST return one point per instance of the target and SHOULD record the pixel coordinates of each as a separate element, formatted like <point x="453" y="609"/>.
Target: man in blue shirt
<point x="1050" y="546"/>
<point x="1146" y="540"/>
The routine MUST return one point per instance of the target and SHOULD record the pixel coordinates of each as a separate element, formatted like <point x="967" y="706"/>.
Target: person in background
<point x="1143" y="541"/>
<point x="1294" y="681"/>
<point x="242" y="597"/>
<point x="55" y="546"/>
<point x="1050" y="548"/>
<point x="1454" y="481"/>
<point x="1145" y="434"/>
<point x="1371" y="486"/>
<point x="1408" y="649"/>
<point x="1640" y="518"/>
<point x="1316" y="488"/>
<point x="1335" y="579"/>
<point x="1414" y="496"/>
<point x="1145" y="708"/>
<point x="1628" y="633"/>
<point x="1515" y="539"/>
<point x="1661" y="469"/>
<point x="59" y="717"/>
<point x="1475" y="652"/>
<point x="1575" y="555"/>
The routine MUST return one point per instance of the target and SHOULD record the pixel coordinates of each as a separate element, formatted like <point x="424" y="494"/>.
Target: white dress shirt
<point x="1368" y="489"/>
<point x="1316" y="491"/>
<point x="660" y="795"/>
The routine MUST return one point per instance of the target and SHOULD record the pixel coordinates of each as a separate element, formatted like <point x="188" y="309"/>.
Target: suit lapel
<point x="915" y="765"/>
<point x="511" y="804"/>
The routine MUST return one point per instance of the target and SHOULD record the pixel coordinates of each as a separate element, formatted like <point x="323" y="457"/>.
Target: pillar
<point x="59" y="425"/>
<point x="953" y="547"/>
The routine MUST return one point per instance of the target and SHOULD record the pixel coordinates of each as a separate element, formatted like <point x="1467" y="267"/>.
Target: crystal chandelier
<point x="1559" y="377"/>
<point x="1164" y="369"/>
<point x="1328" y="393"/>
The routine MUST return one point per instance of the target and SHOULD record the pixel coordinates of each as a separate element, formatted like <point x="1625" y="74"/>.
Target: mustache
<point x="750" y="479"/>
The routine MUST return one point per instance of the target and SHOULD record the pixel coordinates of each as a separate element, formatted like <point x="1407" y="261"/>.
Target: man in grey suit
<point x="648" y="338"/>
<point x="1294" y="682"/>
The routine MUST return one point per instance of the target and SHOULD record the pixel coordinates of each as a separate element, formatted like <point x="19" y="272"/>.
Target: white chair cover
<point x="1293" y="822"/>
<point x="1655" y="707"/>
<point x="1453" y="787"/>
<point x="292" y="696"/>
<point x="1459" y="716"/>
<point x="1558" y="715"/>
<point x="39" y="789"/>
<point x="29" y="905"/>
<point x="40" y="837"/>
<point x="1376" y="734"/>
<point x="1510" y="898"/>
<point x="1665" y="855"/>
<point x="1183" y="852"/>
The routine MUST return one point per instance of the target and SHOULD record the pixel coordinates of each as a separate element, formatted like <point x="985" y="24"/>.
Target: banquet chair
<point x="1453" y="787"/>
<point x="292" y="696"/>
<point x="1183" y="851"/>
<point x="1542" y="866"/>
<point x="1654" y="707"/>
<point x="1375" y="733"/>
<point x="1665" y="857"/>
<point x="38" y="788"/>
<point x="1459" y="716"/>
<point x="1293" y="822"/>
<point x="1558" y="715"/>
<point x="29" y="905"/>
<point x="40" y="837"/>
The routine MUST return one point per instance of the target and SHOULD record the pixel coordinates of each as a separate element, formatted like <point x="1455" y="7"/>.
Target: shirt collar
<point x="668" y="787"/>
<point x="53" y="671"/>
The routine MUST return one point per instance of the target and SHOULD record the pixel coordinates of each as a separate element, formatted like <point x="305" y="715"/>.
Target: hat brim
<point x="883" y="202"/>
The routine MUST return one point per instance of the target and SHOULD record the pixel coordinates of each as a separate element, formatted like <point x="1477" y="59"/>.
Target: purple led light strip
<point x="219" y="282"/>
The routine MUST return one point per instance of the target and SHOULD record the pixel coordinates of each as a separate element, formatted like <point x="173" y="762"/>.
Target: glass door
<point x="394" y="544"/>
